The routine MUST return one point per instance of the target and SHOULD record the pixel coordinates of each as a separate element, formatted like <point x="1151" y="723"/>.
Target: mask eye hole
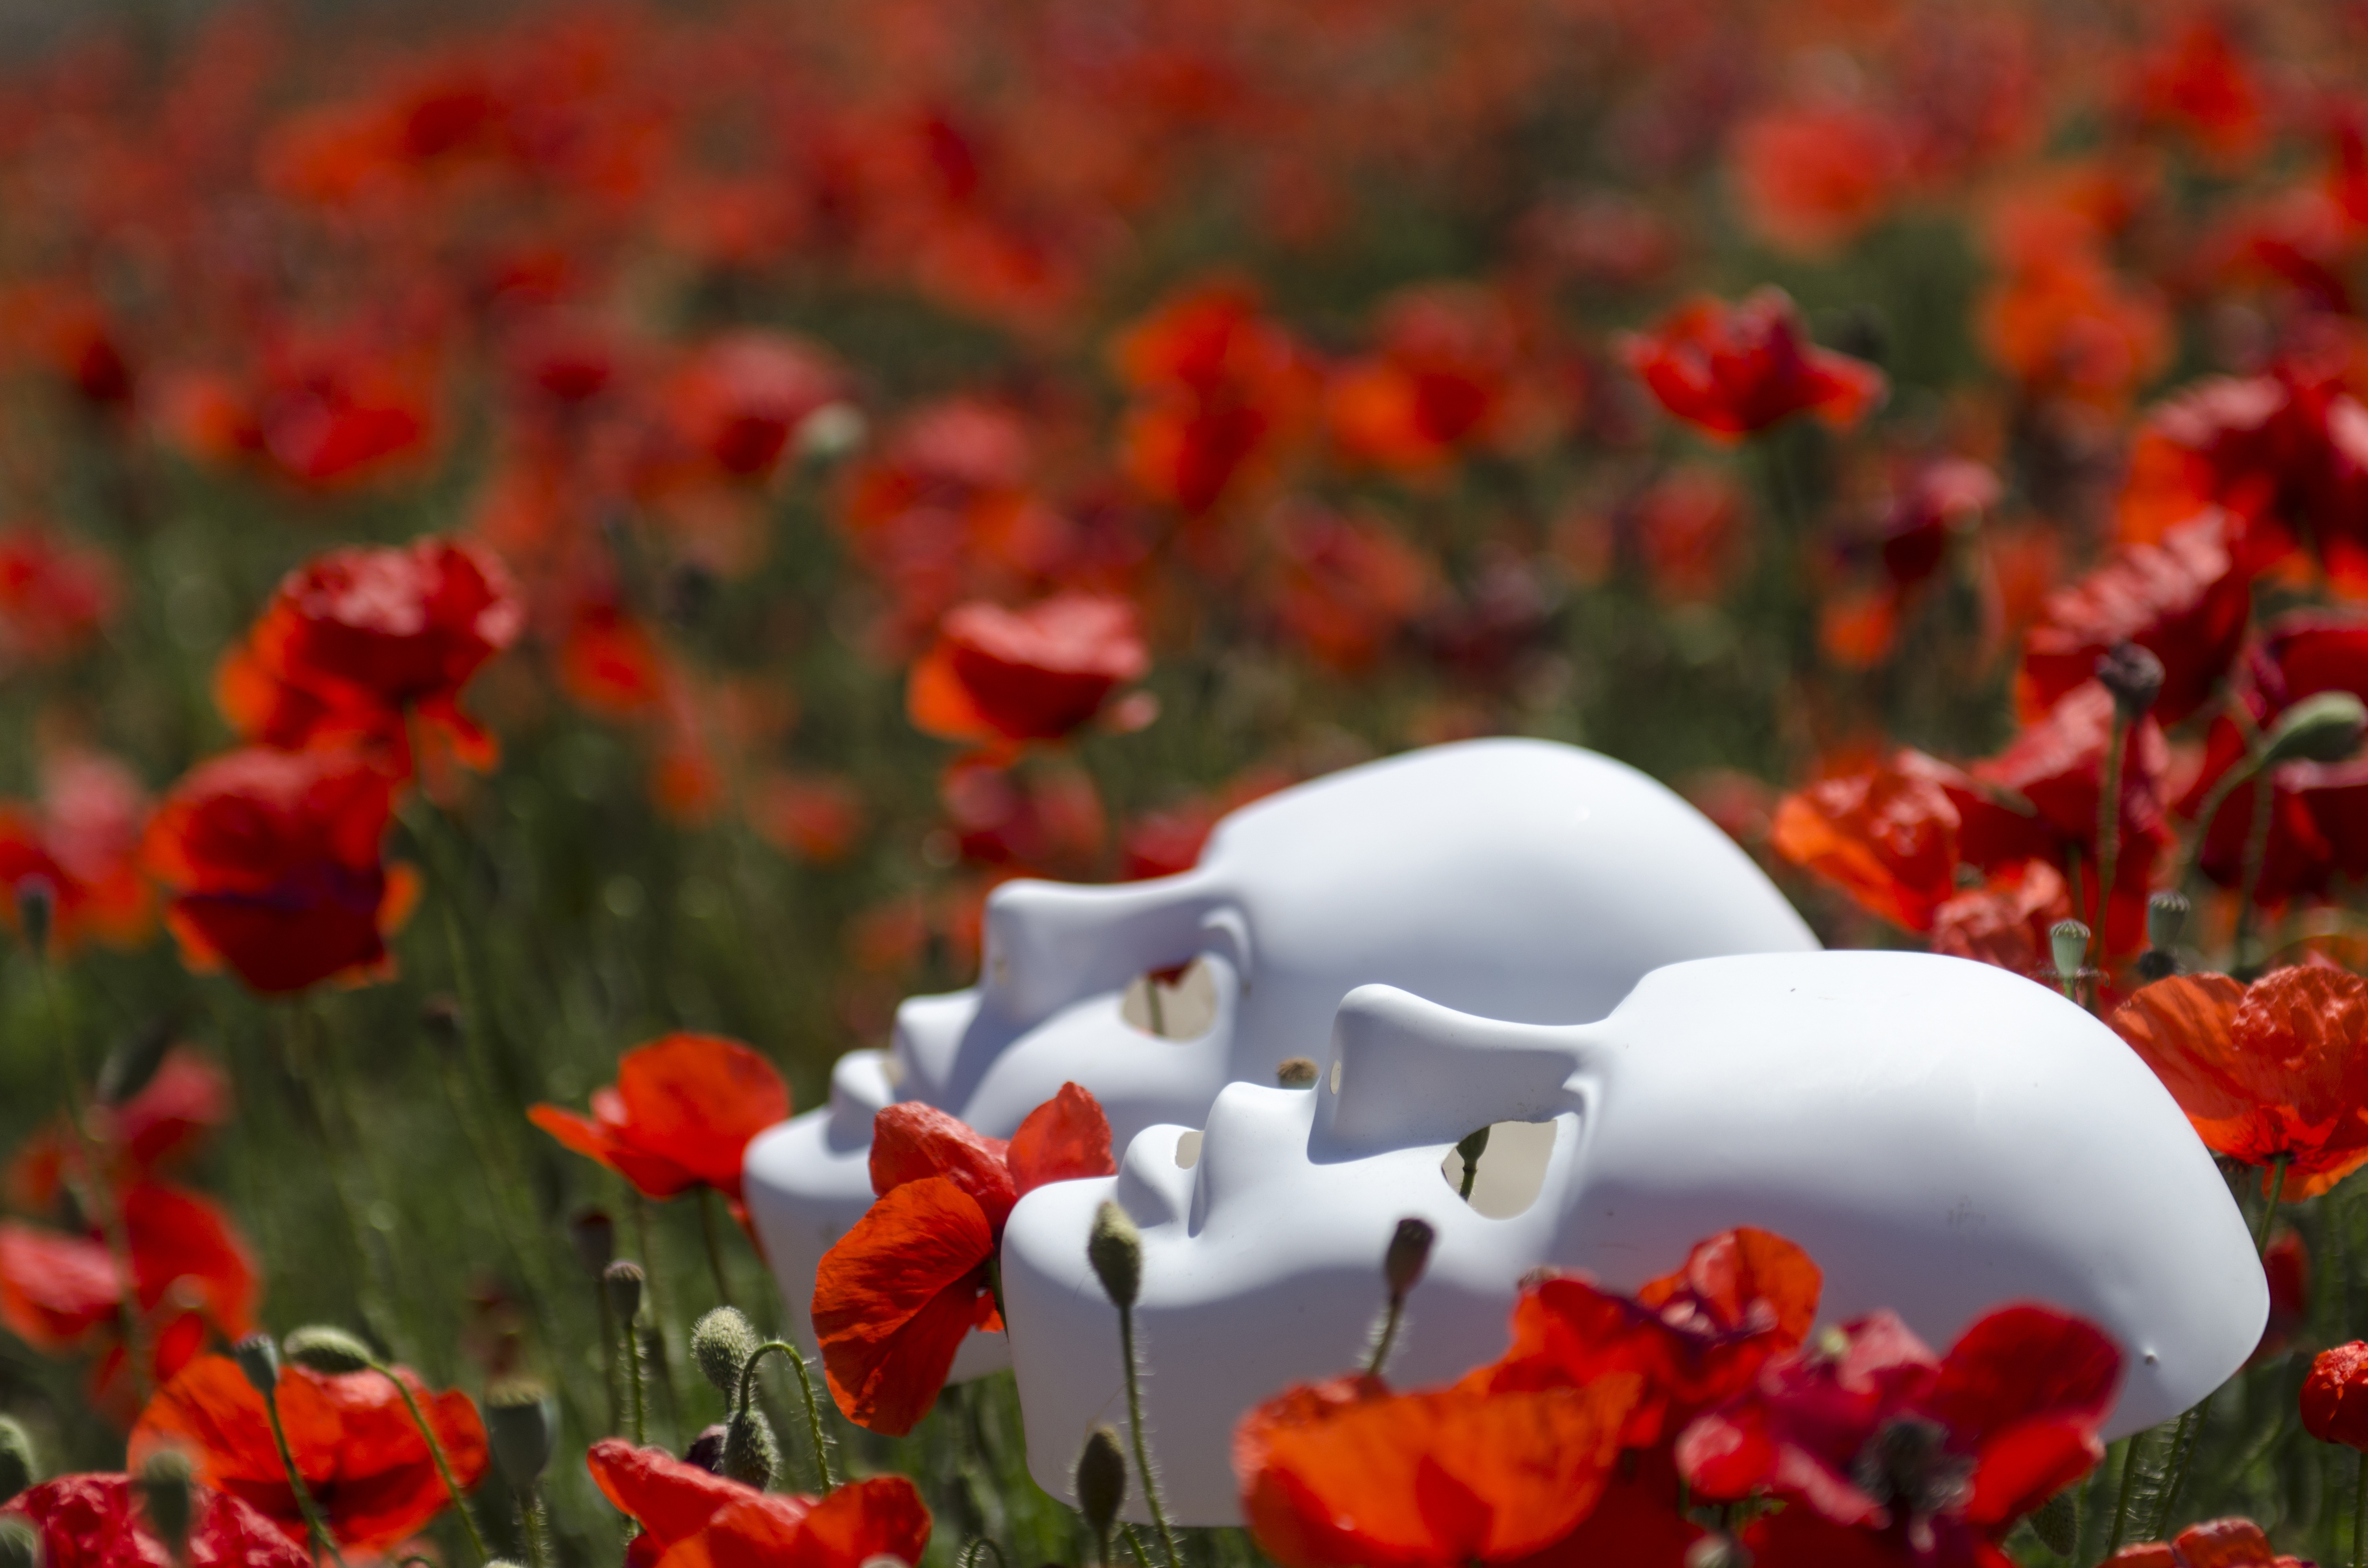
<point x="1172" y="1003"/>
<point x="1500" y="1169"/>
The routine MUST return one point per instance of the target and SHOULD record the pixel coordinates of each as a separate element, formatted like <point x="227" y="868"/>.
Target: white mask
<point x="1521" y="878"/>
<point x="1942" y="1136"/>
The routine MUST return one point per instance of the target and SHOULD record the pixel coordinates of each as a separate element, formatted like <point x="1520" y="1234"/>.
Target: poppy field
<point x="552" y="556"/>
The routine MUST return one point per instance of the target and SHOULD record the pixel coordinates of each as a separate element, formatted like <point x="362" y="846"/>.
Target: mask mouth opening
<point x="1178" y="1003"/>
<point x="1500" y="1169"/>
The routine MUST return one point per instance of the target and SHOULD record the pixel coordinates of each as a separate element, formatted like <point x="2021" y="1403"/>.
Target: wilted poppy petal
<point x="896" y="1297"/>
<point x="1066" y="1138"/>
<point x="911" y="1141"/>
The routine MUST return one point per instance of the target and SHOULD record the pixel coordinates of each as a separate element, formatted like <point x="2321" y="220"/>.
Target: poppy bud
<point x="706" y="1450"/>
<point x="2134" y="677"/>
<point x="2068" y="940"/>
<point x="1295" y="1073"/>
<point x="131" y="1065"/>
<point x="318" y="1347"/>
<point x="36" y="902"/>
<point x="1102" y="1483"/>
<point x="1409" y="1256"/>
<point x="18" y="1468"/>
<point x="750" y="1455"/>
<point x="1718" y="1550"/>
<point x="2322" y="728"/>
<point x="259" y="1359"/>
<point x="623" y="1280"/>
<point x="721" y="1343"/>
<point x="20" y="1544"/>
<point x="1115" y="1249"/>
<point x="439" y="1019"/>
<point x="593" y="1236"/>
<point x="164" y="1483"/>
<point x="521" y="1423"/>
<point x="2057" y="1522"/>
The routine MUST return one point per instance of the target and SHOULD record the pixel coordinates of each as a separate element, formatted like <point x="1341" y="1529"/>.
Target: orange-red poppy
<point x="1731" y="371"/>
<point x="2335" y="1397"/>
<point x="1000" y="677"/>
<point x="2277" y="1070"/>
<point x="80" y="842"/>
<point x="1218" y="389"/>
<point x="2186" y="600"/>
<point x="896" y="1295"/>
<point x="1887" y="836"/>
<point x="365" y="1463"/>
<point x="187" y="1098"/>
<point x="55" y="595"/>
<point x="680" y="1114"/>
<point x="98" y="1521"/>
<point x="2215" y="1543"/>
<point x="693" y="1519"/>
<point x="273" y="861"/>
<point x="1347" y="1474"/>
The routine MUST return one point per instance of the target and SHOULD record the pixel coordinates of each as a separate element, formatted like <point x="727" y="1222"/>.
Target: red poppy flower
<point x="1346" y="1474"/>
<point x="1810" y="180"/>
<point x="1001" y="676"/>
<point x="273" y="861"/>
<point x="2277" y="1070"/>
<point x="2007" y="921"/>
<point x="369" y="1470"/>
<point x="682" y="1112"/>
<point x="1732" y="370"/>
<point x="1889" y="837"/>
<point x="1921" y="1460"/>
<point x="99" y="1521"/>
<point x="2215" y="1543"/>
<point x="693" y="1519"/>
<point x="1344" y="587"/>
<point x="55" y="595"/>
<point x="1692" y="530"/>
<point x="741" y="399"/>
<point x="1217" y="389"/>
<point x="56" y="1289"/>
<point x="2068" y="326"/>
<point x="2200" y="81"/>
<point x="2335" y="1397"/>
<point x="896" y="1295"/>
<point x="81" y="843"/>
<point x="2187" y="601"/>
<point x="187" y="1098"/>
<point x="1443" y="376"/>
<point x="359" y="639"/>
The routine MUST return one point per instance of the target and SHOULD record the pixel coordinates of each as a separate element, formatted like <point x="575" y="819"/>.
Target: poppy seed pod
<point x="259" y="1359"/>
<point x="1115" y="1249"/>
<point x="1295" y="1073"/>
<point x="2166" y="919"/>
<point x="2325" y="727"/>
<point x="2068" y="943"/>
<point x="750" y="1455"/>
<point x="18" y="1469"/>
<point x="2134" y="677"/>
<point x="164" y="1483"/>
<point x="721" y="1343"/>
<point x="1101" y="1482"/>
<point x="593" y="1236"/>
<point x="320" y="1348"/>
<point x="623" y="1281"/>
<point x="20" y="1544"/>
<point x="521" y="1423"/>
<point x="1409" y="1256"/>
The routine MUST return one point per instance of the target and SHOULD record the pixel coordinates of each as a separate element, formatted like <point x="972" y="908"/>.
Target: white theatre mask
<point x="1942" y="1136"/>
<point x="1520" y="879"/>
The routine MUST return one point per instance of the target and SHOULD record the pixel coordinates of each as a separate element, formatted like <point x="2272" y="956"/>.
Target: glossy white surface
<point x="1942" y="1136"/>
<point x="1520" y="879"/>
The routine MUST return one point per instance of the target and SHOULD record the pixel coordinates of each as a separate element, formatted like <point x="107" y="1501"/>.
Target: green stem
<point x="635" y="1381"/>
<point x="715" y="1248"/>
<point x="2270" y="1210"/>
<point x="2109" y="835"/>
<point x="1134" y="1429"/>
<point x="1381" y="1356"/>
<point x="805" y="1386"/>
<point x="91" y="1188"/>
<point x="980" y="1545"/>
<point x="2257" y="854"/>
<point x="2359" y="1516"/>
<point x="2183" y="1451"/>
<point x="2129" y="1483"/>
<point x="443" y="1465"/>
<point x="304" y="1503"/>
<point x="1135" y="1546"/>
<point x="536" y="1527"/>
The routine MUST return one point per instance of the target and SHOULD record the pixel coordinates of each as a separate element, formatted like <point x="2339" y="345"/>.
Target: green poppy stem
<point x="1134" y="1432"/>
<point x="443" y="1465"/>
<point x="806" y="1387"/>
<point x="714" y="1247"/>
<point x="318" y="1531"/>
<point x="2109" y="836"/>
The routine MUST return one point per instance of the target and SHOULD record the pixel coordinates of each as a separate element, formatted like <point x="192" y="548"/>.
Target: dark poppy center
<point x="1907" y="1465"/>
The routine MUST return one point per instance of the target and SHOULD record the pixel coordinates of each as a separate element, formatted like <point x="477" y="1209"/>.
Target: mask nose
<point x="1050" y="944"/>
<point x="929" y="1037"/>
<point x="1405" y="1071"/>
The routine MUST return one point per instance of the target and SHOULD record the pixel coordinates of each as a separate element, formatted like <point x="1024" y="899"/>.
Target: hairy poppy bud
<point x="2068" y="942"/>
<point x="1102" y="1483"/>
<point x="750" y="1455"/>
<point x="20" y="1544"/>
<point x="706" y="1450"/>
<point x="131" y="1065"/>
<point x="439" y="1019"/>
<point x="36" y="902"/>
<point x="2057" y="1522"/>
<point x="593" y="1236"/>
<point x="18" y="1468"/>
<point x="1115" y="1249"/>
<point x="721" y="1343"/>
<point x="259" y="1359"/>
<point x="164" y="1483"/>
<point x="2323" y="728"/>
<point x="319" y="1347"/>
<point x="2134" y="677"/>
<point x="1295" y="1073"/>
<point x="1409" y="1256"/>
<point x="521" y="1423"/>
<point x="623" y="1280"/>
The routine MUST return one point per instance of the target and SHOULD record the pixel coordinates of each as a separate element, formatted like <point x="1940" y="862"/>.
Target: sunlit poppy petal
<point x="896" y="1297"/>
<point x="911" y="1142"/>
<point x="1066" y="1138"/>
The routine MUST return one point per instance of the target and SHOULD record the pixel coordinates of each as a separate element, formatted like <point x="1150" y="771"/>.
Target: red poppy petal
<point x="911" y="1141"/>
<point x="2027" y="1465"/>
<point x="896" y="1297"/>
<point x="696" y="1100"/>
<point x="2223" y="1543"/>
<point x="2179" y="1027"/>
<point x="670" y="1499"/>
<point x="937" y="703"/>
<point x="1066" y="1138"/>
<point x="2022" y="1363"/>
<point x="54" y="1289"/>
<point x="179" y="1238"/>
